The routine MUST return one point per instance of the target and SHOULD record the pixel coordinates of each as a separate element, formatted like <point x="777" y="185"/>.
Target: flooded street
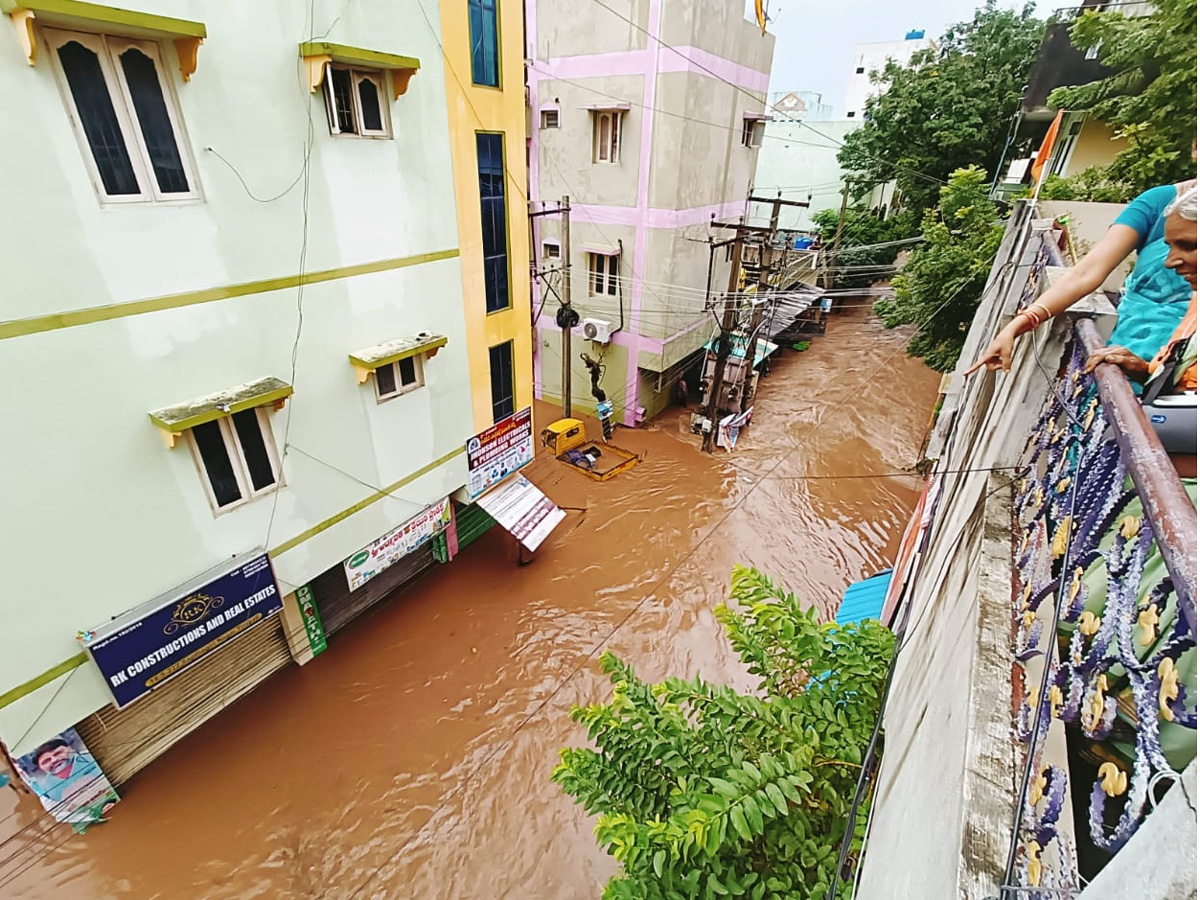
<point x="412" y="759"/>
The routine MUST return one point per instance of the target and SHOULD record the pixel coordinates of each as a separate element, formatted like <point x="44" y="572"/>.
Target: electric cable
<point x="757" y="99"/>
<point x="287" y="190"/>
<point x="645" y="599"/>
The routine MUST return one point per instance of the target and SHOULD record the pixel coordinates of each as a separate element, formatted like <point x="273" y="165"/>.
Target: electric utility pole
<point x="567" y="317"/>
<point x="837" y="239"/>
<point x="749" y="388"/>
<point x="717" y="387"/>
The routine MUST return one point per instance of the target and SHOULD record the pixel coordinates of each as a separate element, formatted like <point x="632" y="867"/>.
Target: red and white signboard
<point x="494" y="454"/>
<point x="523" y="511"/>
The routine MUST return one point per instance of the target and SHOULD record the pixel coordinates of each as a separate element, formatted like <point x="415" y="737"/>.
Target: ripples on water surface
<point x="412" y="759"/>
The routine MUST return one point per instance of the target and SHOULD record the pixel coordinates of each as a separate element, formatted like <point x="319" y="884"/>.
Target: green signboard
<point x="312" y="620"/>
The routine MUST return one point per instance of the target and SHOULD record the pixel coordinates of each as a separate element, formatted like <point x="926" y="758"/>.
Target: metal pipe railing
<point x="1167" y="505"/>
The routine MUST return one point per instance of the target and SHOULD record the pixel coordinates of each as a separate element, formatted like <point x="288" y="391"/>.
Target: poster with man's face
<point x="68" y="780"/>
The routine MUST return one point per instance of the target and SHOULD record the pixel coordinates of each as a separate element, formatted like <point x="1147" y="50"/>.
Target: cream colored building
<point x="242" y="312"/>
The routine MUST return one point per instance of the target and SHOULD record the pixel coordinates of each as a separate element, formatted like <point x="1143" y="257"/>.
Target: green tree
<point x="950" y="107"/>
<point x="943" y="280"/>
<point x="1093" y="184"/>
<point x="704" y="792"/>
<point x="862" y="228"/>
<point x="1150" y="98"/>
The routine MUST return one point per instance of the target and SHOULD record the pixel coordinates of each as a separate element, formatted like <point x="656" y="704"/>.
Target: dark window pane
<point x="98" y="117"/>
<point x="485" y="43"/>
<point x="594" y="263"/>
<point x="385" y="380"/>
<point x="612" y="274"/>
<point x="500" y="360"/>
<point x="343" y="102"/>
<point x="408" y="371"/>
<point x="254" y="448"/>
<point x="217" y="463"/>
<point x="368" y="99"/>
<point x="494" y="220"/>
<point x="154" y="121"/>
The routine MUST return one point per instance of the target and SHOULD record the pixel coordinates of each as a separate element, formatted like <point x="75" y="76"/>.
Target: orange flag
<point x="760" y="13"/>
<point x="1043" y="155"/>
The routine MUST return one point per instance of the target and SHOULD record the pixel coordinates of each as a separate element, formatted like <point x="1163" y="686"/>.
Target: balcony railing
<point x="1106" y="558"/>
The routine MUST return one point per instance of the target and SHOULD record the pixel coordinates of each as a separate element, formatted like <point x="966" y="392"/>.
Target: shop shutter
<point x="124" y="741"/>
<point x="473" y="522"/>
<point x="336" y="604"/>
<point x="441" y="547"/>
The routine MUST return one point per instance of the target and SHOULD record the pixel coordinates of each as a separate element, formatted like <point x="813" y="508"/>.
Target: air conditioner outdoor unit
<point x="598" y="330"/>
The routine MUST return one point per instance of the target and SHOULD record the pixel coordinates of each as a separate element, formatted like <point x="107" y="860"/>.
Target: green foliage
<point x="702" y="792"/>
<point x="943" y="280"/>
<point x="1151" y="97"/>
<point x="948" y="108"/>
<point x="862" y="227"/>
<point x="1094" y="184"/>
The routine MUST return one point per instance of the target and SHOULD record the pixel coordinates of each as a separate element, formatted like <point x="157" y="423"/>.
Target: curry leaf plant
<point x="703" y="792"/>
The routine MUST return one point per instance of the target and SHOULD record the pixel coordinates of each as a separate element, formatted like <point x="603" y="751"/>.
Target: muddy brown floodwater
<point x="412" y="759"/>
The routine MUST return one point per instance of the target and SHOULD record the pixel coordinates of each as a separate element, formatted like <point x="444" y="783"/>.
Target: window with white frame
<point x="236" y="457"/>
<point x="125" y="115"/>
<point x="752" y="132"/>
<point x="550" y="118"/>
<point x="356" y="101"/>
<point x="1069" y="137"/>
<point x="398" y="378"/>
<point x="603" y="272"/>
<point x="606" y="135"/>
<point x="551" y="250"/>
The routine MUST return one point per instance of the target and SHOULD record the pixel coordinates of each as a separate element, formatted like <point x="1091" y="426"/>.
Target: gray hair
<point x="1184" y="205"/>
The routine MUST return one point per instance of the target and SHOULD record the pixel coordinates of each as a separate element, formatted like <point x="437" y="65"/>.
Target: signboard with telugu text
<point x="396" y="544"/>
<point x="497" y="452"/>
<point x="138" y="651"/>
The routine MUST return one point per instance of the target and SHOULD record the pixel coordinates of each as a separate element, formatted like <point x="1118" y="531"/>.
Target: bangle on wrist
<point x="1030" y="320"/>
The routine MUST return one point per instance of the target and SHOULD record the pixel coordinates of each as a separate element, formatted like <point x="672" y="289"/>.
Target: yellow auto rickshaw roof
<point x="563" y="425"/>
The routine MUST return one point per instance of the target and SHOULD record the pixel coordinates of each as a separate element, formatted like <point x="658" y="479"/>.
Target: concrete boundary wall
<point x="943" y="810"/>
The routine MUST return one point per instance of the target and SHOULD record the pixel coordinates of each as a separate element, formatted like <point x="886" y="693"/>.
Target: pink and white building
<point x="648" y="114"/>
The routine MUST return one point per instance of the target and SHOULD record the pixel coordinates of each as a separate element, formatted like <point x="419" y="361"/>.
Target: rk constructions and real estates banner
<point x="138" y="651"/>
<point x="396" y="544"/>
<point x="496" y="453"/>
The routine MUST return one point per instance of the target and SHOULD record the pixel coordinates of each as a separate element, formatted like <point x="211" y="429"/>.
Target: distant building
<point x="805" y="105"/>
<point x="870" y="58"/>
<point x="798" y="160"/>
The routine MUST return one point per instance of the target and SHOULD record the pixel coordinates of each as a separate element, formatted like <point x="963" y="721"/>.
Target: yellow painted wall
<point x="1095" y="147"/>
<point x="471" y="109"/>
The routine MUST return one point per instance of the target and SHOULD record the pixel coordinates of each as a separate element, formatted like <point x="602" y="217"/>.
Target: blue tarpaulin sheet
<point x="864" y="600"/>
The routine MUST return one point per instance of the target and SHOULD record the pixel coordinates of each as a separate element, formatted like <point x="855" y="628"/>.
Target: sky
<point x="814" y="39"/>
